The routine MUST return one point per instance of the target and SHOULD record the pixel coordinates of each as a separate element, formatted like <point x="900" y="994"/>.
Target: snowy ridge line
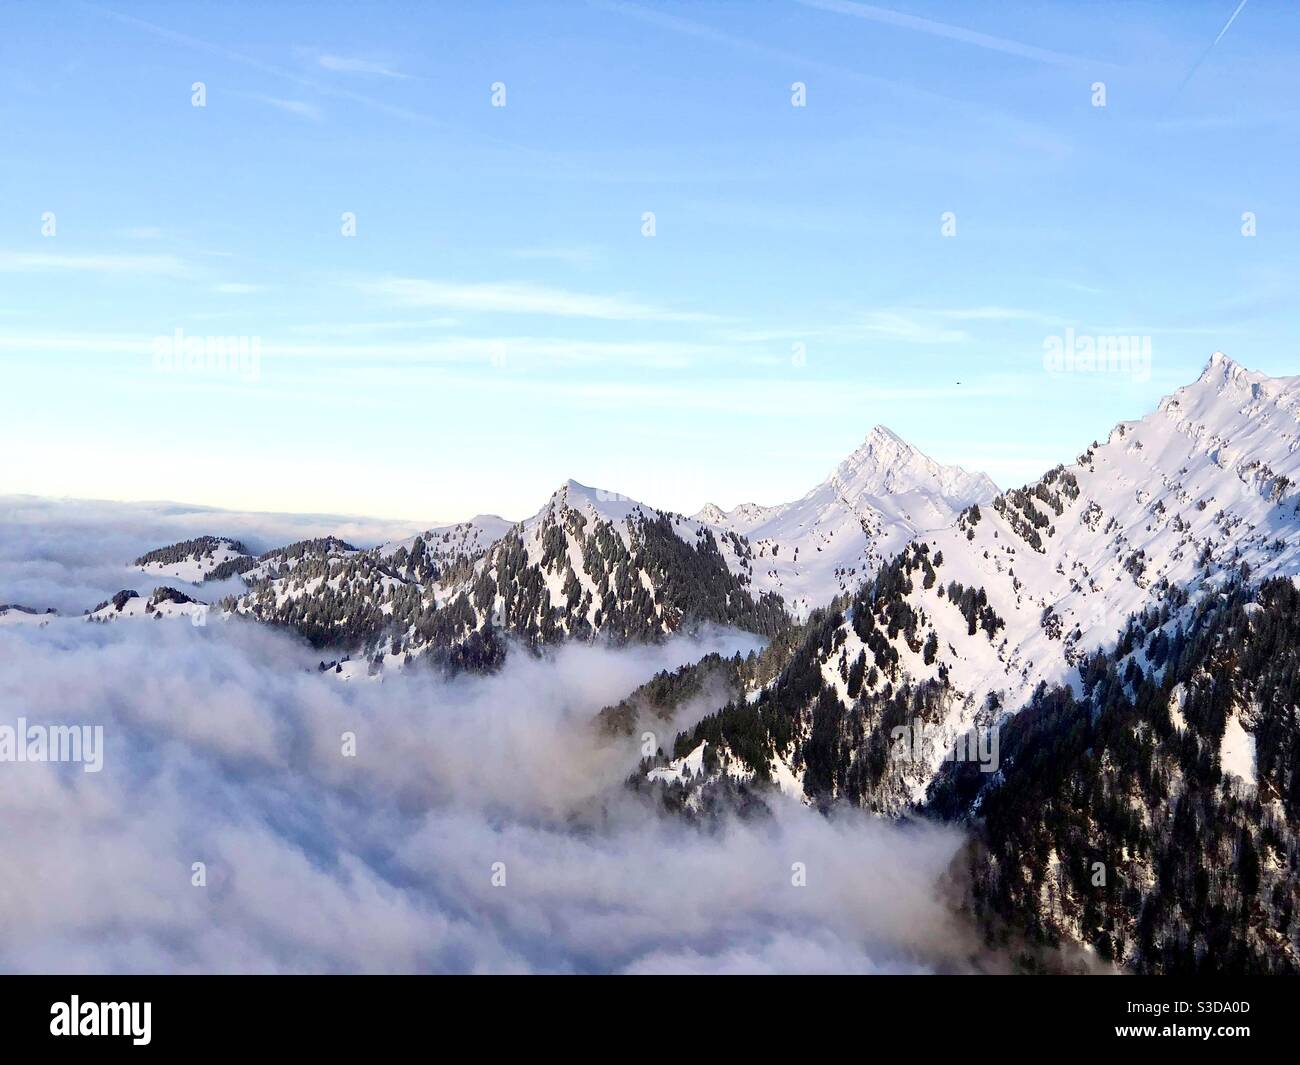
<point x="1018" y="593"/>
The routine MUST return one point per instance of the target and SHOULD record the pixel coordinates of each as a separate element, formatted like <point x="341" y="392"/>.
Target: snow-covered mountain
<point x="966" y="621"/>
<point x="589" y="563"/>
<point x="446" y="545"/>
<point x="17" y="614"/>
<point x="594" y="560"/>
<point x="198" y="560"/>
<point x="875" y="501"/>
<point x="1199" y="491"/>
<point x="1113" y="648"/>
<point x="989" y="593"/>
<point x="162" y="604"/>
<point x="1175" y="770"/>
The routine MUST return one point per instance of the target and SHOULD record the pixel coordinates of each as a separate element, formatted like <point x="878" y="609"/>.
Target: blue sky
<point x="500" y="322"/>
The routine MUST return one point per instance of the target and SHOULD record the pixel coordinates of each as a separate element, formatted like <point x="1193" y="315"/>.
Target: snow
<point x="1209" y="472"/>
<point x="194" y="568"/>
<point x="138" y="607"/>
<point x="1209" y="475"/>
<point x="826" y="543"/>
<point x="1177" y="699"/>
<point x="1237" y="751"/>
<point x="681" y="769"/>
<point x="14" y="615"/>
<point x="787" y="780"/>
<point x="446" y="542"/>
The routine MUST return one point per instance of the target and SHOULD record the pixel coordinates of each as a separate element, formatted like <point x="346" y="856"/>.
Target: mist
<point x="73" y="554"/>
<point x="481" y="825"/>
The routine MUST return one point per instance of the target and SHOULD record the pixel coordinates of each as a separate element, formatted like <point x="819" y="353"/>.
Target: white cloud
<point x="481" y="350"/>
<point x="71" y="554"/>
<point x="362" y="328"/>
<point x="158" y="265"/>
<point x="222" y="745"/>
<point x="320" y="87"/>
<point x="909" y="328"/>
<point x="911" y="325"/>
<point x="519" y="297"/>
<point x="301" y="108"/>
<point x="352" y="65"/>
<point x="1000" y="314"/>
<point x="573" y="256"/>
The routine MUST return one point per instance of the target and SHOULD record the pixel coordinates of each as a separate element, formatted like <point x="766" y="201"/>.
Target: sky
<point x="687" y="252"/>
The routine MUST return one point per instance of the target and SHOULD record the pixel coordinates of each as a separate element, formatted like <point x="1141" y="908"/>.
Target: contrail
<point x="942" y="29"/>
<point x="1229" y="22"/>
<point x="1206" y="54"/>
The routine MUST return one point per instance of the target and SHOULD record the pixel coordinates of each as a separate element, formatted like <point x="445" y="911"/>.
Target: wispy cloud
<point x="236" y="288"/>
<point x="1000" y="314"/>
<point x="521" y="297"/>
<point x="496" y="351"/>
<point x="772" y="396"/>
<point x="908" y="325"/>
<point x="317" y="86"/>
<point x="353" y="65"/>
<point x="1040" y="136"/>
<point x="156" y="265"/>
<point x="897" y="325"/>
<point x="575" y="256"/>
<point x="898" y="19"/>
<point x="364" y="328"/>
<point x="301" y="108"/>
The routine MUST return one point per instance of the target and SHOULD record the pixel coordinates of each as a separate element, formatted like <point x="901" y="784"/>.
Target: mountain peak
<point x="1221" y="370"/>
<point x="574" y="495"/>
<point x="886" y="464"/>
<point x="1220" y="365"/>
<point x="710" y="514"/>
<point x="1229" y="378"/>
<point x="883" y="434"/>
<point x="882" y="444"/>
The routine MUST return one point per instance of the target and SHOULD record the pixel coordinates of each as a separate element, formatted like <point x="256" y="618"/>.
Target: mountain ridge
<point x="1171" y="511"/>
<point x="1059" y="561"/>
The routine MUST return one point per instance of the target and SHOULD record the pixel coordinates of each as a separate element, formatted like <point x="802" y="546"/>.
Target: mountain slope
<point x="593" y="562"/>
<point x="1156" y="816"/>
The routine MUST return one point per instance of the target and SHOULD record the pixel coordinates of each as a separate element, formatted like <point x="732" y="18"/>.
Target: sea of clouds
<point x="71" y="554"/>
<point x="482" y="825"/>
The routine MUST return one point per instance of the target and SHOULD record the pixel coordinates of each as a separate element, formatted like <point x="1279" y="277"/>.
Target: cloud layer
<point x="73" y="554"/>
<point x="481" y="826"/>
<point x="224" y="746"/>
